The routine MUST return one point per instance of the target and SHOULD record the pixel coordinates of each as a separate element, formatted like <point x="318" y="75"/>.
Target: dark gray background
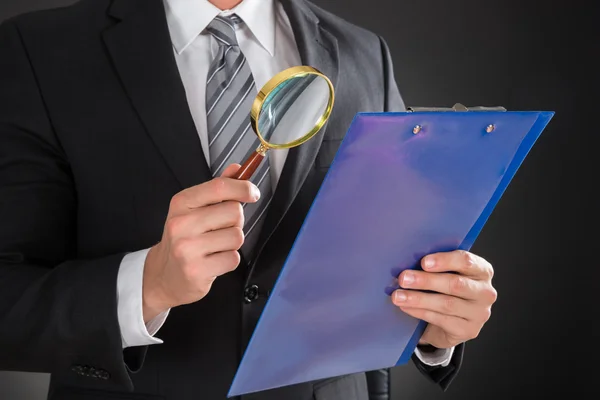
<point x="523" y="55"/>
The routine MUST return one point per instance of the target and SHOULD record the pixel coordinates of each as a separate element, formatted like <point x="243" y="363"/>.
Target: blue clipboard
<point x="401" y="186"/>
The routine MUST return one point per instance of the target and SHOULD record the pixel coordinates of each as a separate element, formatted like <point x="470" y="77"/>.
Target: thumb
<point x="230" y="170"/>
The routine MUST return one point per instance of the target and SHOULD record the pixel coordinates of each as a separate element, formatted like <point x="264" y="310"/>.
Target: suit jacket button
<point x="105" y="375"/>
<point x="250" y="293"/>
<point x="82" y="370"/>
<point x="99" y="373"/>
<point x="78" y="369"/>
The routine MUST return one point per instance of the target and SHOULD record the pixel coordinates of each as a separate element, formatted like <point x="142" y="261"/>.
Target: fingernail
<point x="400" y="297"/>
<point x="408" y="279"/>
<point x="255" y="192"/>
<point x="428" y="263"/>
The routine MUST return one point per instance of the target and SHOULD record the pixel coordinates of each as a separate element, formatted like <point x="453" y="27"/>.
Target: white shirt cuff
<point x="439" y="357"/>
<point x="134" y="332"/>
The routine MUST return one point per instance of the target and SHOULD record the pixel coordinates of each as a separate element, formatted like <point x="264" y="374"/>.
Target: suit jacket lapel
<point x="318" y="48"/>
<point x="142" y="53"/>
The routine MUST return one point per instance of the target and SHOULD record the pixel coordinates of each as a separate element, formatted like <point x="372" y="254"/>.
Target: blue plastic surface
<point x="389" y="198"/>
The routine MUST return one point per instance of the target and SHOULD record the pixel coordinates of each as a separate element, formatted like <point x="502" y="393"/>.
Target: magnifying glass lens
<point x="289" y="110"/>
<point x="293" y="109"/>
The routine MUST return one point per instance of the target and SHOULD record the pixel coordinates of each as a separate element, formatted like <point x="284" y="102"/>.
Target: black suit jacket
<point x="96" y="136"/>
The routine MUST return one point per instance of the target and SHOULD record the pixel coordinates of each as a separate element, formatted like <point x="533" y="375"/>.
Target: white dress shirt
<point x="267" y="41"/>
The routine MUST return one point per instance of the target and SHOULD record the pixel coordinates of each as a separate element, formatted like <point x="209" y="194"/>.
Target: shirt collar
<point x="188" y="18"/>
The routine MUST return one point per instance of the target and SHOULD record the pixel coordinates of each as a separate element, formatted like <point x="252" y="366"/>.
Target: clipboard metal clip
<point x="457" y="107"/>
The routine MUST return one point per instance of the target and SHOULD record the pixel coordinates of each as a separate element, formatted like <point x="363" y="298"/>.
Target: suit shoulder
<point x="345" y="30"/>
<point x="48" y="21"/>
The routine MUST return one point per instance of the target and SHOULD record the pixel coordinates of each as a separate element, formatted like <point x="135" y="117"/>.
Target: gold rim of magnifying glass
<point x="271" y="85"/>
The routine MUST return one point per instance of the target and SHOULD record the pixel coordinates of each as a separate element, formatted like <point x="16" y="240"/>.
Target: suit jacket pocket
<point x="347" y="387"/>
<point x="327" y="152"/>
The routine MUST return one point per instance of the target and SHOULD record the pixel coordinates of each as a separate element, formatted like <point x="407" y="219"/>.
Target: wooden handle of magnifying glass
<point x="249" y="167"/>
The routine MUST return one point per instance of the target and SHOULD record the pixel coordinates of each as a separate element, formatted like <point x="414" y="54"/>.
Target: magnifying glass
<point x="288" y="111"/>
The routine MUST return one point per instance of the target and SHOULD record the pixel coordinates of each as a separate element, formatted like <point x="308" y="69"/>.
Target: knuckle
<point x="238" y="237"/>
<point x="241" y="220"/>
<point x="238" y="214"/>
<point x="173" y="225"/>
<point x="235" y="212"/>
<point x="180" y="250"/>
<point x="176" y="202"/>
<point x="233" y="260"/>
<point x="491" y="294"/>
<point x="239" y="209"/>
<point x="486" y="314"/>
<point x="468" y="260"/>
<point x="218" y="186"/>
<point x="234" y="207"/>
<point x="490" y="271"/>
<point x="458" y="285"/>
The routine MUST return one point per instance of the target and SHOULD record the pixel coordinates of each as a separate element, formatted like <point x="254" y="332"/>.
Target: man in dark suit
<point x="128" y="267"/>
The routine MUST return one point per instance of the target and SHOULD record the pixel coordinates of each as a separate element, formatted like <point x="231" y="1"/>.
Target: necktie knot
<point x="222" y="28"/>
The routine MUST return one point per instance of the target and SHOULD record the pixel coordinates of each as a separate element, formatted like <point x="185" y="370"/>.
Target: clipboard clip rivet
<point x="490" y="128"/>
<point x="417" y="129"/>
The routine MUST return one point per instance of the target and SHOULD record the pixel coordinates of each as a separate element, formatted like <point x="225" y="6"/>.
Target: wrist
<point x="153" y="299"/>
<point x="151" y="309"/>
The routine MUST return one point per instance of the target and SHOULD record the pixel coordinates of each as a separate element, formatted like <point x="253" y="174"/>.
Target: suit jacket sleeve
<point x="58" y="314"/>
<point x="443" y="376"/>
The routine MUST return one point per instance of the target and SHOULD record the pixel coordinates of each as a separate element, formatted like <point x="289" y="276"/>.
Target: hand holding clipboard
<point x="402" y="185"/>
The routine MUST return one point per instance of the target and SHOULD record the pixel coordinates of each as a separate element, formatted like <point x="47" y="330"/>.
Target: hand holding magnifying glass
<point x="288" y="111"/>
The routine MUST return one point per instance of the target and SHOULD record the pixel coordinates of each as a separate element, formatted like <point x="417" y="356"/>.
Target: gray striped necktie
<point x="230" y="91"/>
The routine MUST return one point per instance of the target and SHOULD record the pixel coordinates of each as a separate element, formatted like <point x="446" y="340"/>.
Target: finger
<point x="446" y="283"/>
<point x="229" y="239"/>
<point x="230" y="170"/>
<point x="196" y="263"/>
<point x="228" y="214"/>
<point x="451" y="325"/>
<point x="218" y="264"/>
<point x="213" y="192"/>
<point x="440" y="303"/>
<point x="463" y="262"/>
